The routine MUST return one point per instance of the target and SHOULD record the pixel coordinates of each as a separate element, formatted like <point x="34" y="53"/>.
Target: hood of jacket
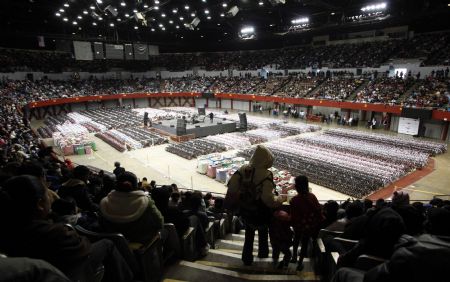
<point x="124" y="207"/>
<point x="262" y="158"/>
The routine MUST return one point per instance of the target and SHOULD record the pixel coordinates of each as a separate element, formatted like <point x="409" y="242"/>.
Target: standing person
<point x="306" y="216"/>
<point x="281" y="238"/>
<point x="250" y="193"/>
<point x="211" y="117"/>
<point x="118" y="169"/>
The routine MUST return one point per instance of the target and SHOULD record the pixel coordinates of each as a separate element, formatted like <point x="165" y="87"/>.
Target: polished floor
<point x="165" y="168"/>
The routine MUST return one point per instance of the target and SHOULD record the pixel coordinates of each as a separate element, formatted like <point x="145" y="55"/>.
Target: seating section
<point x="384" y="90"/>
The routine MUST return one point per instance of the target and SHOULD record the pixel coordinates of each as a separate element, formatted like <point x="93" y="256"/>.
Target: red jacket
<point x="306" y="214"/>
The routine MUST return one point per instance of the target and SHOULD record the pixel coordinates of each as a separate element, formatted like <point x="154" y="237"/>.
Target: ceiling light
<point x="186" y="7"/>
<point x="94" y="23"/>
<point x="58" y="14"/>
<point x="156" y="8"/>
<point x="332" y="13"/>
<point x="66" y="5"/>
<point x="181" y="18"/>
<point x="181" y="37"/>
<point x="74" y="23"/>
<point x="111" y="24"/>
<point x="145" y="6"/>
<point x="163" y="28"/>
<point x="222" y="15"/>
<point x="99" y="1"/>
<point x="300" y="20"/>
<point x="85" y="12"/>
<point x="204" y="1"/>
<point x="201" y="36"/>
<point x="156" y="2"/>
<point x="375" y="7"/>
<point x="206" y="11"/>
<point x="208" y="17"/>
<point x="271" y="24"/>
<point x="224" y="5"/>
<point x="127" y="15"/>
<point x="92" y="7"/>
<point x="163" y="15"/>
<point x="135" y="11"/>
<point x="177" y="27"/>
<point x="152" y="29"/>
<point x="79" y="17"/>
<point x="123" y="4"/>
<point x="160" y="25"/>
<point x="174" y="11"/>
<point x="100" y="19"/>
<point x="192" y="14"/>
<point x="119" y="19"/>
<point x="61" y="10"/>
<point x="248" y="29"/>
<point x="65" y="19"/>
<point x="261" y="3"/>
<point x="218" y="24"/>
<point x="73" y="33"/>
<point x="136" y="27"/>
<point x="171" y="22"/>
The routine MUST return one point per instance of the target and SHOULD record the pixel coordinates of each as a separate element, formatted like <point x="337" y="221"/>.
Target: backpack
<point x="250" y="205"/>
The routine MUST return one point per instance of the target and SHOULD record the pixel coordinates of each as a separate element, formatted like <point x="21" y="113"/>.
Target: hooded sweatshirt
<point x="261" y="160"/>
<point x="134" y="214"/>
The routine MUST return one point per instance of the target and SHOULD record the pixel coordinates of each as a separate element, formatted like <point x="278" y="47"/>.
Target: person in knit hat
<point x="130" y="211"/>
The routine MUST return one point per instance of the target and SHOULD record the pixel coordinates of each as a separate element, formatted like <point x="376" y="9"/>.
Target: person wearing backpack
<point x="251" y="195"/>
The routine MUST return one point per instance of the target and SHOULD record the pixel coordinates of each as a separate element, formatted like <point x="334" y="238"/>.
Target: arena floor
<point x="165" y="168"/>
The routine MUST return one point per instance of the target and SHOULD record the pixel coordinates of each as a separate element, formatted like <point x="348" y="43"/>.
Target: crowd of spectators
<point x="429" y="92"/>
<point x="386" y="90"/>
<point x="337" y="88"/>
<point x="364" y="54"/>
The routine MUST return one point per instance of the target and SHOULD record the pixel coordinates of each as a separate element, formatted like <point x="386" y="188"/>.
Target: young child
<point x="281" y="237"/>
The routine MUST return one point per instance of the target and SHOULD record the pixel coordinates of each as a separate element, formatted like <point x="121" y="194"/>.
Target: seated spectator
<point x="130" y="211"/>
<point x="76" y="188"/>
<point x="352" y="211"/>
<point x="24" y="208"/>
<point x="217" y="209"/>
<point x="118" y="169"/>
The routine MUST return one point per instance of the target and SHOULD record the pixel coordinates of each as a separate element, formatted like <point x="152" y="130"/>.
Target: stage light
<point x="248" y="29"/>
<point x="303" y="20"/>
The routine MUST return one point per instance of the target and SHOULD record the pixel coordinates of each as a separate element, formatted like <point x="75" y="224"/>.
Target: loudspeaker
<point x="243" y="121"/>
<point x="181" y="127"/>
<point x="201" y="111"/>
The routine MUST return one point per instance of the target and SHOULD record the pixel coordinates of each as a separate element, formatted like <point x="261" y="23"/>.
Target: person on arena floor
<point x="250" y="193"/>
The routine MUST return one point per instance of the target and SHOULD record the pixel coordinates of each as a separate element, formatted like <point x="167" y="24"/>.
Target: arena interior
<point x="128" y="129"/>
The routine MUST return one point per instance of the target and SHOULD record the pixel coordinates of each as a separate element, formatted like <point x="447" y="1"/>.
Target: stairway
<point x="224" y="264"/>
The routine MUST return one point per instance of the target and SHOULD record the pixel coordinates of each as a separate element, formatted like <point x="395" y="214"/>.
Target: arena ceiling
<point x="172" y="22"/>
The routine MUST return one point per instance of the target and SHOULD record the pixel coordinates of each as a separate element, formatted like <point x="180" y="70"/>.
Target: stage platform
<point x="201" y="129"/>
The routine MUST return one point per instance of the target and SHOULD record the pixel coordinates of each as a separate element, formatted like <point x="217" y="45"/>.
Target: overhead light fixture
<point x="160" y="25"/>
<point x="186" y="7"/>
<point x="300" y="20"/>
<point x="248" y="29"/>
<point x="66" y="4"/>
<point x="224" y="5"/>
<point x="99" y="1"/>
<point x="208" y="17"/>
<point x="74" y="23"/>
<point x="152" y="29"/>
<point x="204" y="1"/>
<point x="123" y="4"/>
<point x="127" y="15"/>
<point x="65" y="19"/>
<point x="277" y="2"/>
<point x="145" y="6"/>
<point x="136" y="27"/>
<point x="175" y="11"/>
<point x="94" y="23"/>
<point x="80" y="17"/>
<point x="119" y="19"/>
<point x="192" y="14"/>
<point x="261" y="3"/>
<point x="177" y="27"/>
<point x="85" y="12"/>
<point x="111" y="24"/>
<point x="333" y="13"/>
<point x="206" y="11"/>
<point x="163" y="15"/>
<point x="222" y="15"/>
<point x="374" y="7"/>
<point x="171" y="22"/>
<point x="57" y="14"/>
<point x="181" y="18"/>
<point x="92" y="7"/>
<point x="232" y="12"/>
<point x="61" y="10"/>
<point x="156" y="7"/>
